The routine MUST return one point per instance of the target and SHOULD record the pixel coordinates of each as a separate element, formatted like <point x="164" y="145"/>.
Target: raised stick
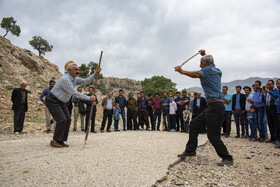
<point x="91" y="109"/>
<point x="189" y="59"/>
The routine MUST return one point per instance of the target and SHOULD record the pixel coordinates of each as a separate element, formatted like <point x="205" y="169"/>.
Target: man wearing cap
<point x="60" y="95"/>
<point x="212" y="116"/>
<point x="19" y="99"/>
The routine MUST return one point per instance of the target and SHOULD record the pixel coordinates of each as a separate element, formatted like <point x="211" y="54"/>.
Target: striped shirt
<point x="65" y="87"/>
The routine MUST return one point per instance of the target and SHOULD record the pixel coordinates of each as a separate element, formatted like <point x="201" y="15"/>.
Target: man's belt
<point x="216" y="100"/>
<point x="237" y="110"/>
<point x="55" y="98"/>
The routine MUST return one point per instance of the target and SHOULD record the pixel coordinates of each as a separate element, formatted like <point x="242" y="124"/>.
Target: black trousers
<point x="278" y="128"/>
<point x="60" y="113"/>
<point x="151" y="115"/>
<point x="271" y="114"/>
<point x="143" y="118"/>
<point x="180" y="121"/>
<point x="19" y="116"/>
<point x="107" y="114"/>
<point x="239" y="117"/>
<point x="227" y="122"/>
<point x="92" y="120"/>
<point x="212" y="118"/>
<point x="132" y="116"/>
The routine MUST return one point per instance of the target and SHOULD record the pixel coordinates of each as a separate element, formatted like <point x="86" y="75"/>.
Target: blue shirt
<point x="65" y="87"/>
<point x="278" y="103"/>
<point x="45" y="93"/>
<point x="117" y="113"/>
<point x="237" y="103"/>
<point x="253" y="118"/>
<point x="197" y="101"/>
<point x="258" y="99"/>
<point x="184" y="99"/>
<point x="165" y="101"/>
<point x="192" y="105"/>
<point x="228" y="107"/>
<point x="121" y="101"/>
<point x="177" y="100"/>
<point x="211" y="82"/>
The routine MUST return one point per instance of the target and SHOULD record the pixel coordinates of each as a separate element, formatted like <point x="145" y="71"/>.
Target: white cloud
<point x="145" y="38"/>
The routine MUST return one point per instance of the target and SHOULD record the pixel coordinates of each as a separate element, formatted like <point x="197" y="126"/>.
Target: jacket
<point x="242" y="101"/>
<point x="104" y="102"/>
<point x="202" y="106"/>
<point x="16" y="99"/>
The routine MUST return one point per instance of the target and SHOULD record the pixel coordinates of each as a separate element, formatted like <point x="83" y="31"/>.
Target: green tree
<point x="9" y="24"/>
<point x="86" y="70"/>
<point x="158" y="84"/>
<point x="40" y="44"/>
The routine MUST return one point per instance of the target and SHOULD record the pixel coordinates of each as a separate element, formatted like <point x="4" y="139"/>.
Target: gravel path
<point x="109" y="159"/>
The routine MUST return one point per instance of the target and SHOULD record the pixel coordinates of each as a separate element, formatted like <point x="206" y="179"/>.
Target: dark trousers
<point x="143" y="118"/>
<point x="151" y="116"/>
<point x="61" y="116"/>
<point x="271" y="114"/>
<point x="166" y="122"/>
<point x="180" y="121"/>
<point x="278" y="128"/>
<point x="227" y="122"/>
<point x="212" y="118"/>
<point x="239" y="120"/>
<point x="261" y="122"/>
<point x="157" y="114"/>
<point x="246" y="124"/>
<point x="107" y="114"/>
<point x="172" y="118"/>
<point x="132" y="116"/>
<point x="92" y="120"/>
<point x="19" y="116"/>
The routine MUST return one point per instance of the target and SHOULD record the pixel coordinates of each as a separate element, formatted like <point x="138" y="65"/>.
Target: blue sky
<point x="149" y="37"/>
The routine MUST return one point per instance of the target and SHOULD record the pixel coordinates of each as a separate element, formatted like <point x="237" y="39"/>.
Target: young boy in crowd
<point x="252" y="117"/>
<point x="117" y="111"/>
<point x="172" y="114"/>
<point x="186" y="118"/>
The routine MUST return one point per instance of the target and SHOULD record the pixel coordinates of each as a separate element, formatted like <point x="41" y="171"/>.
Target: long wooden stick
<point x="189" y="59"/>
<point x="91" y="108"/>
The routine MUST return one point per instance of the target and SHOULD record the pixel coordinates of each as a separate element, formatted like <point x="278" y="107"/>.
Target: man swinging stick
<point x="212" y="116"/>
<point x="60" y="95"/>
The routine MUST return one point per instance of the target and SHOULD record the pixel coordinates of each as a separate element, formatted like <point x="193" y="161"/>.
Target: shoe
<point x="101" y="130"/>
<point x="173" y="130"/>
<point x="225" y="162"/>
<point x="227" y="136"/>
<point x="54" y="143"/>
<point x="158" y="129"/>
<point x="124" y="130"/>
<point x="82" y="129"/>
<point x="48" y="130"/>
<point x="223" y="134"/>
<point x="186" y="154"/>
<point x="52" y="121"/>
<point x="262" y="140"/>
<point x="269" y="141"/>
<point x="247" y="136"/>
<point x="108" y="130"/>
<point x="147" y="129"/>
<point x="74" y="130"/>
<point x="254" y="140"/>
<point x="277" y="144"/>
<point x="63" y="144"/>
<point x="238" y="136"/>
<point x="116" y="130"/>
<point x="17" y="133"/>
<point x="93" y="131"/>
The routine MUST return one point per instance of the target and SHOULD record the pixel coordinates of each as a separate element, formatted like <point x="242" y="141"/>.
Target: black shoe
<point x="277" y="144"/>
<point x="186" y="154"/>
<point x="238" y="136"/>
<point x="223" y="134"/>
<point x="48" y="130"/>
<point x="147" y="129"/>
<point x="269" y="141"/>
<point x="108" y="130"/>
<point x="227" y="136"/>
<point x="93" y="131"/>
<point x="225" y="162"/>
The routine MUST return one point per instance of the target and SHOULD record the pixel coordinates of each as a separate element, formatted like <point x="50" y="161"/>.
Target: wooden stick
<point x="189" y="59"/>
<point x="91" y="108"/>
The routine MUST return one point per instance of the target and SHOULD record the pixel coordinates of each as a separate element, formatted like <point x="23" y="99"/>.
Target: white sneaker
<point x="173" y="130"/>
<point x="16" y="133"/>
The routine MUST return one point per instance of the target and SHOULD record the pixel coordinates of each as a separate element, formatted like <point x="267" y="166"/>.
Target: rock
<point x="247" y="156"/>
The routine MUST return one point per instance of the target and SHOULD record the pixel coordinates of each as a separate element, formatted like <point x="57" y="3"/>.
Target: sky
<point x="141" y="39"/>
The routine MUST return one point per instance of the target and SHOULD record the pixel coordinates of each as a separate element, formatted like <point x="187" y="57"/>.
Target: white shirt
<point x="172" y="108"/>
<point x="109" y="105"/>
<point x="248" y="104"/>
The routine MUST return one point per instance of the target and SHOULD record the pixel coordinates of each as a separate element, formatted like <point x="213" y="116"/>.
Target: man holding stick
<point x="212" y="116"/>
<point x="60" y="95"/>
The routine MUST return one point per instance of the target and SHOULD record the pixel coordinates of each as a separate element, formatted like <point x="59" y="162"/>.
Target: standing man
<point x="178" y="114"/>
<point x="88" y="108"/>
<point x="60" y="95"/>
<point x="150" y="109"/>
<point x="131" y="105"/>
<point x="248" y="105"/>
<point x="271" y="96"/>
<point x="19" y="99"/>
<point x="258" y="102"/>
<point x="199" y="104"/>
<point x="142" y="111"/>
<point x="47" y="113"/>
<point x="122" y="102"/>
<point x="238" y="108"/>
<point x="79" y="110"/>
<point x="212" y="116"/>
<point x="108" y="104"/>
<point x="228" y="111"/>
<point x="165" y="111"/>
<point x="185" y="100"/>
<point x="277" y="144"/>
<point x="156" y="105"/>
